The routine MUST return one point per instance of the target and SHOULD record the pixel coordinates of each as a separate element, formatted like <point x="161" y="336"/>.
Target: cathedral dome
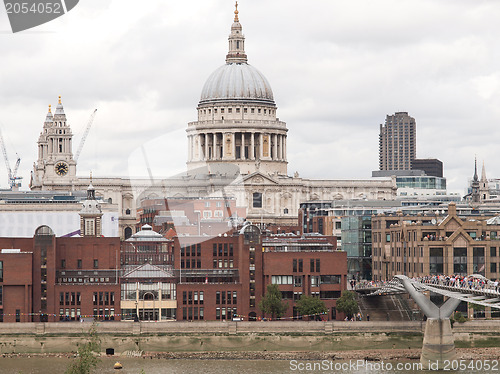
<point x="237" y="81"/>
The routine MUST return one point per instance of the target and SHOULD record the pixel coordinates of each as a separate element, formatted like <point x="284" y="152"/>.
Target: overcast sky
<point x="336" y="67"/>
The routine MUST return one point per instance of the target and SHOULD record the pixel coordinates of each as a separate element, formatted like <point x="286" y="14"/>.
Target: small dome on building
<point x="147" y="235"/>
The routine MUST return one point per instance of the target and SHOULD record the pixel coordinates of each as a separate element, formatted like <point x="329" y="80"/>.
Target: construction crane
<point x="13" y="178"/>
<point x="87" y="129"/>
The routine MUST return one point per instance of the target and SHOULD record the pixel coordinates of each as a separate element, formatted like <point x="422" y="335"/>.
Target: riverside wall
<point x="279" y="336"/>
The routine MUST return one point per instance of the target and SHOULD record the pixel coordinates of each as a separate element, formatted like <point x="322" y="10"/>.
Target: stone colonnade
<point x="236" y="146"/>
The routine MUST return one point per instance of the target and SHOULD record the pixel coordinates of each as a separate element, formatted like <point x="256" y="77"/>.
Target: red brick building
<point x="225" y="277"/>
<point x="46" y="278"/>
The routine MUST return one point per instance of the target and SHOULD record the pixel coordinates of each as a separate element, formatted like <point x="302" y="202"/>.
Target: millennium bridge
<point x="439" y="343"/>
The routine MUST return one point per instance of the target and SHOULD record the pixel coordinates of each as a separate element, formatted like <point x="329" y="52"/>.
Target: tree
<point x="347" y="303"/>
<point x="272" y="302"/>
<point x="311" y="305"/>
<point x="87" y="358"/>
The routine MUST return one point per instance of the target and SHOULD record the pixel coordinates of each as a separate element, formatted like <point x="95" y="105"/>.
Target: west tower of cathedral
<point x="55" y="156"/>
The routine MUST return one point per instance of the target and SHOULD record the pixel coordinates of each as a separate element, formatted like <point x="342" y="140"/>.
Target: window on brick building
<point x="79" y="263"/>
<point x="311" y="269"/>
<point x="1" y="295"/>
<point x="96" y="264"/>
<point x="294" y="265"/>
<point x="301" y="269"/>
<point x="318" y="269"/>
<point x="63" y="263"/>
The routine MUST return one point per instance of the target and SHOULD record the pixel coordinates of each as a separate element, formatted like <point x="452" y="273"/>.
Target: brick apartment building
<point x="419" y="245"/>
<point x="47" y="279"/>
<point x="226" y="276"/>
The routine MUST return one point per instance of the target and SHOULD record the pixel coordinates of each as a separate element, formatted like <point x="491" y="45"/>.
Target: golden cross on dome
<point x="236" y="13"/>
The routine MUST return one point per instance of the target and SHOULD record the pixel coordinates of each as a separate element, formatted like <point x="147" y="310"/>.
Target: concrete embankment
<point x="276" y="336"/>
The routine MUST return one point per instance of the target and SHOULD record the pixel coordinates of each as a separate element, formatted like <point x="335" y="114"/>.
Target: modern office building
<point x="429" y="244"/>
<point x="397" y="142"/>
<point x="430" y="166"/>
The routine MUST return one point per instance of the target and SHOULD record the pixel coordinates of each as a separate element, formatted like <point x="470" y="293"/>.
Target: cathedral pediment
<point x="258" y="178"/>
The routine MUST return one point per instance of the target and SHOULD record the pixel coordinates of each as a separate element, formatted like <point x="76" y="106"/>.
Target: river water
<point x="51" y="365"/>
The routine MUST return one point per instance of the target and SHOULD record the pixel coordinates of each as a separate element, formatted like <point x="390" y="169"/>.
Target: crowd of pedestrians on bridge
<point x="469" y="282"/>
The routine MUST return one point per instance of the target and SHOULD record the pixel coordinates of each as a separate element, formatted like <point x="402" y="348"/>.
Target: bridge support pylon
<point x="439" y="344"/>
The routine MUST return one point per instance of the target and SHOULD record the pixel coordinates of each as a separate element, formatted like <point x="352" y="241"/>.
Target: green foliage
<point x="88" y="358"/>
<point x="457" y="317"/>
<point x="476" y="307"/>
<point x="272" y="302"/>
<point x="311" y="305"/>
<point x="347" y="303"/>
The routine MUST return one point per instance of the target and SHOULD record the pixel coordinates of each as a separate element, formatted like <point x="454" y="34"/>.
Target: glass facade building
<point x="357" y="242"/>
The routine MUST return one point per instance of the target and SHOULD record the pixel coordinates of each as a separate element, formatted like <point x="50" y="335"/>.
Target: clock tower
<point x="55" y="157"/>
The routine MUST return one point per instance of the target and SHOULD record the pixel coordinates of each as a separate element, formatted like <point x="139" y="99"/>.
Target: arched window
<point x="128" y="232"/>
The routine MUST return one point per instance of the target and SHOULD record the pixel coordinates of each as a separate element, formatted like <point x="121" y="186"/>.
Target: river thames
<point x="51" y="365"/>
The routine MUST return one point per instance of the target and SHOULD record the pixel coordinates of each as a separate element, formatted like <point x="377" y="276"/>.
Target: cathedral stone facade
<point x="237" y="148"/>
